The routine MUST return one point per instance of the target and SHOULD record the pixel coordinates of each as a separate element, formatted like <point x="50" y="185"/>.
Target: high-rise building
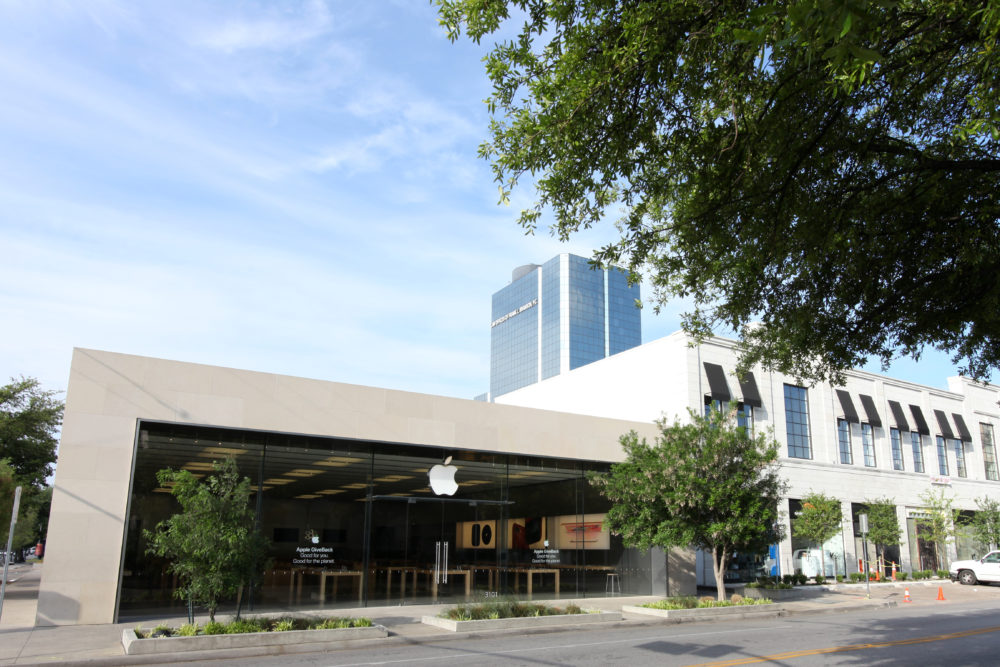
<point x="558" y="316"/>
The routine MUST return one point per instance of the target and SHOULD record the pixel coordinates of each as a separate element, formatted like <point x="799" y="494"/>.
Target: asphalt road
<point x="966" y="634"/>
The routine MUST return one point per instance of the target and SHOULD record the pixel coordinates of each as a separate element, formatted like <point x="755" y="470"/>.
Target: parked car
<point x="970" y="572"/>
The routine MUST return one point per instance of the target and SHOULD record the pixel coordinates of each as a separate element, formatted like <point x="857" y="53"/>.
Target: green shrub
<point x="503" y="608"/>
<point x="901" y="576"/>
<point x="788" y="579"/>
<point x="857" y="577"/>
<point x="840" y="578"/>
<point x="139" y="632"/>
<point x="245" y="625"/>
<point x="942" y="574"/>
<point x="801" y="579"/>
<point x="188" y="630"/>
<point x="819" y="579"/>
<point x="214" y="628"/>
<point x="691" y="602"/>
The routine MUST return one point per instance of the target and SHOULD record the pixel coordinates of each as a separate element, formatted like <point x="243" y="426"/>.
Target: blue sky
<point x="289" y="187"/>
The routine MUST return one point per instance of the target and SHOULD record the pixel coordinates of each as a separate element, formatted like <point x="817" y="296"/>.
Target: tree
<point x="826" y="169"/>
<point x="27" y="519"/>
<point x="941" y="524"/>
<point x="706" y="484"/>
<point x="818" y="521"/>
<point x="212" y="544"/>
<point x="29" y="421"/>
<point x="883" y="526"/>
<point x="985" y="524"/>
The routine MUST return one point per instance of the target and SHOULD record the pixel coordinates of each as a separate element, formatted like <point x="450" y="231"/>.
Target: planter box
<point x="135" y="646"/>
<point x="781" y="593"/>
<point x="740" y="611"/>
<point x="523" y="623"/>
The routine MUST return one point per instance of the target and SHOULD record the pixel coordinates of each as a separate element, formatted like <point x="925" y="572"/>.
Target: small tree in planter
<point x="941" y="523"/>
<point x="818" y="521"/>
<point x="883" y="527"/>
<point x="707" y="483"/>
<point x="211" y="544"/>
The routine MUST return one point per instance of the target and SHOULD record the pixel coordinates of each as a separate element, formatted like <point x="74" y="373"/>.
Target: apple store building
<point x="366" y="496"/>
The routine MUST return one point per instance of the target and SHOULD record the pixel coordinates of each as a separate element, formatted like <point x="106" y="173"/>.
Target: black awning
<point x="850" y="414"/>
<point x="942" y="420"/>
<point x="918" y="417"/>
<point x="899" y="416"/>
<point x="963" y="430"/>
<point x="717" y="382"/>
<point x="748" y="387"/>
<point x="869" y="406"/>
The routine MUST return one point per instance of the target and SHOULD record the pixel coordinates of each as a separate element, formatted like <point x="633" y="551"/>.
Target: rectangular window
<point x="918" y="451"/>
<point x="942" y="454"/>
<point x="797" y="422"/>
<point x="844" y="437"/>
<point x="744" y="417"/>
<point x="897" y="449"/>
<point x="960" y="458"/>
<point x="989" y="452"/>
<point x="868" y="444"/>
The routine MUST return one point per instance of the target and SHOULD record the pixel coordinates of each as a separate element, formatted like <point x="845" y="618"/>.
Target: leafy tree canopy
<point x="985" y="524"/>
<point x="883" y="526"/>
<point x="25" y="531"/>
<point x="818" y="521"/>
<point x="29" y="423"/>
<point x="941" y="523"/>
<point x="827" y="169"/>
<point x="212" y="544"/>
<point x="706" y="484"/>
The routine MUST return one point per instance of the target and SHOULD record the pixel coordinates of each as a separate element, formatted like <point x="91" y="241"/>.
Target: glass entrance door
<point x="425" y="550"/>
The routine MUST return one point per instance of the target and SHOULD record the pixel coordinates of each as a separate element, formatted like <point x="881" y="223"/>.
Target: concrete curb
<point x="318" y="639"/>
<point x="523" y="623"/>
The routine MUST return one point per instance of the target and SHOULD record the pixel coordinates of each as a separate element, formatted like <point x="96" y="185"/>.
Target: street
<point x="966" y="634"/>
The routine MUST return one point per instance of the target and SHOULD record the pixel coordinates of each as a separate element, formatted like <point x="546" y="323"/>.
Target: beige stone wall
<point x="108" y="393"/>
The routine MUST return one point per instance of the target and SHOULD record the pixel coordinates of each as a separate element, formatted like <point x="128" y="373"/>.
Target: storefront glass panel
<point x="355" y="523"/>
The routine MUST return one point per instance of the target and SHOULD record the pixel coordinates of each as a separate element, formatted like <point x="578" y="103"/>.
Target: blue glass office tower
<point x="558" y="316"/>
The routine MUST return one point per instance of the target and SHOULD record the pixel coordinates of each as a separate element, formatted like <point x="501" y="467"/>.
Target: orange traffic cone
<point x="906" y="595"/>
<point x="941" y="593"/>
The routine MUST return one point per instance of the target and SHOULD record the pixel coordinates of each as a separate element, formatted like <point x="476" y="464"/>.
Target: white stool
<point x="612" y="583"/>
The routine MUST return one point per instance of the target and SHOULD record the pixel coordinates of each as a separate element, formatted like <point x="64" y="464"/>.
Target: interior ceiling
<point x="313" y="468"/>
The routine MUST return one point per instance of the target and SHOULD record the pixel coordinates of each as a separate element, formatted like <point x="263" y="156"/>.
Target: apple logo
<point x="442" y="478"/>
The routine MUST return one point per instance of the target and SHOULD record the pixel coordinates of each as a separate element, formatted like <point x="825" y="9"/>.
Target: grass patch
<point x="253" y="624"/>
<point x="691" y="602"/>
<point x="496" y="609"/>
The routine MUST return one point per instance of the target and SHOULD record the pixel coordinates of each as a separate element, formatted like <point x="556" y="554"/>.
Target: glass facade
<point x="868" y="445"/>
<point x="514" y="336"/>
<point x="917" y="445"/>
<point x="585" y="314"/>
<point x="989" y="452"/>
<point x="897" y="449"/>
<point x="355" y="523"/>
<point x="844" y="439"/>
<point x="797" y="422"/>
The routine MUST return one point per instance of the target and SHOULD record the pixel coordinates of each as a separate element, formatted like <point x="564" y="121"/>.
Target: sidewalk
<point x="23" y="644"/>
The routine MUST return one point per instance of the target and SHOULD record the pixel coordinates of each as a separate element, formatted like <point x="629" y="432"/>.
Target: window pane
<point x="797" y="422"/>
<point x="897" y="449"/>
<point x="844" y="437"/>
<point x="868" y="445"/>
<point x="989" y="452"/>
<point x="918" y="451"/>
<point x="942" y="454"/>
<point x="960" y="458"/>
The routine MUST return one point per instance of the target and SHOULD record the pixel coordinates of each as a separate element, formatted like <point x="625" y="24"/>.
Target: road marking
<point x="852" y="647"/>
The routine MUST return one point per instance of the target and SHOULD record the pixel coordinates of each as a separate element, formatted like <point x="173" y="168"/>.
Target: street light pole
<point x="863" y="521"/>
<point x="10" y="539"/>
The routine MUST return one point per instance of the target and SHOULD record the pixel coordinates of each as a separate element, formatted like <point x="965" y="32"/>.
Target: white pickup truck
<point x="984" y="569"/>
